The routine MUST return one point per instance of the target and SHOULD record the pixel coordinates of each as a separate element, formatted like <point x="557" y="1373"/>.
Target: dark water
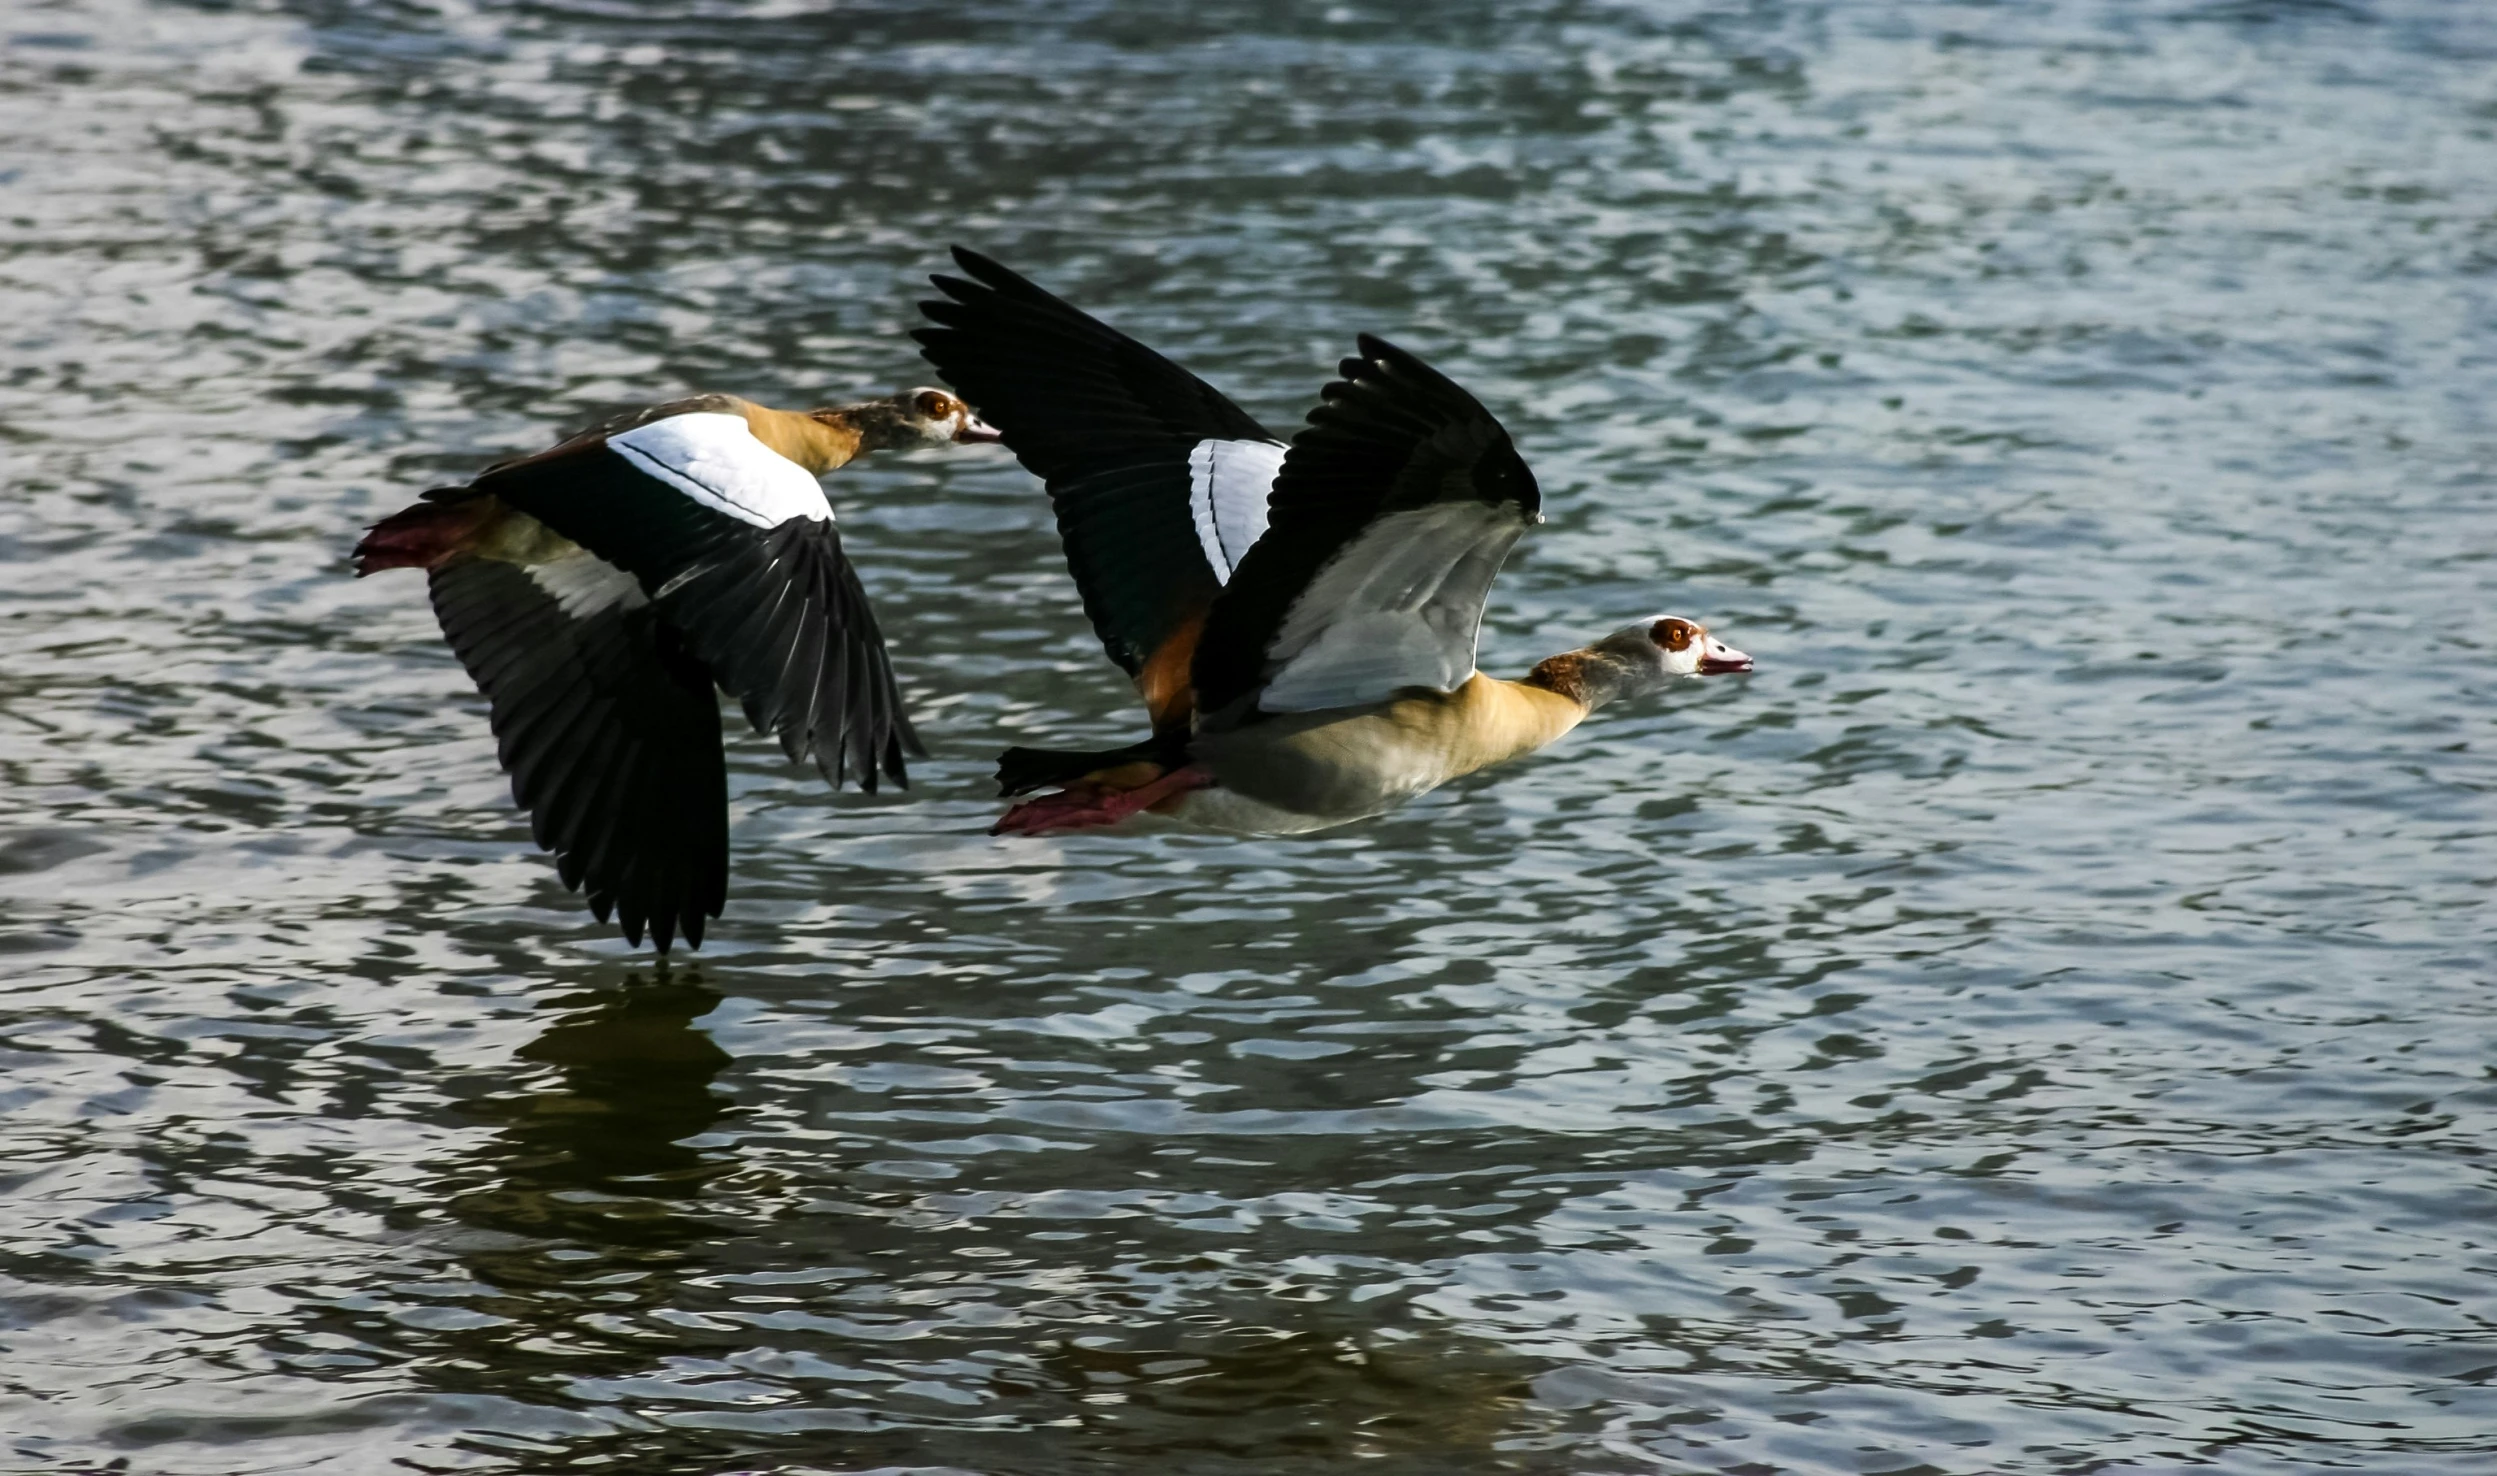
<point x="2041" y="1023"/>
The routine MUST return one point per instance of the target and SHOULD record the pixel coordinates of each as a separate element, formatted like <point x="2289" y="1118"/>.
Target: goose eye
<point x="1673" y="635"/>
<point x="933" y="404"/>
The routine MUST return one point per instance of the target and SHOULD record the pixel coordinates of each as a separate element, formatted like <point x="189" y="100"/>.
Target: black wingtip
<point x="983" y="267"/>
<point x="957" y="292"/>
<point x="994" y="276"/>
<point x="1378" y="353"/>
<point x="1403" y="375"/>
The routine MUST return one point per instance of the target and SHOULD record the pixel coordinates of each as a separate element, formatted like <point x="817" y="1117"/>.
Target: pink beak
<point x="976" y="432"/>
<point x="1720" y="659"/>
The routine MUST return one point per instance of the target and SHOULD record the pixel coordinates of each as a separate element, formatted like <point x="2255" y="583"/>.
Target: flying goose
<point x="1300" y="621"/>
<point x="599" y="592"/>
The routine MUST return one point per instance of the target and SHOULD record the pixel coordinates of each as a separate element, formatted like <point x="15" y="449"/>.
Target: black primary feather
<point x="610" y="731"/>
<point x="1108" y="424"/>
<point x="808" y="663"/>
<point x="777" y="615"/>
<point x="1391" y="434"/>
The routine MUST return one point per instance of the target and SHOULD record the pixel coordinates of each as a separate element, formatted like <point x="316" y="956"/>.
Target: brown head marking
<point x="1674" y="633"/>
<point x="936" y="404"/>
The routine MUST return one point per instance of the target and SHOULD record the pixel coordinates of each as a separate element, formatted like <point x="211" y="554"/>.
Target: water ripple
<point x="2038" y="1025"/>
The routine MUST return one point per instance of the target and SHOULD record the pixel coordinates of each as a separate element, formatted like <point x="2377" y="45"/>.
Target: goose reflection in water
<point x="582" y="1213"/>
<point x="599" y="1155"/>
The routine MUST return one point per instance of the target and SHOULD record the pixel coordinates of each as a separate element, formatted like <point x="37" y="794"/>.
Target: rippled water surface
<point x="2042" y="1022"/>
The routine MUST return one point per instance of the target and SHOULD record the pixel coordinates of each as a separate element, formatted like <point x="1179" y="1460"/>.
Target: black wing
<point x="1390" y="518"/>
<point x="786" y="625"/>
<point x="777" y="614"/>
<point x="610" y="732"/>
<point x="1110" y="425"/>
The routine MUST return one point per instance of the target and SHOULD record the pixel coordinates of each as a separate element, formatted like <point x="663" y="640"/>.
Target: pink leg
<point x="1086" y="807"/>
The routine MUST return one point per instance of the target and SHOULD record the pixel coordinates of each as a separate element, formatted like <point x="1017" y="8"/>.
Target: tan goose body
<point x="1300" y="620"/>
<point x="1312" y="771"/>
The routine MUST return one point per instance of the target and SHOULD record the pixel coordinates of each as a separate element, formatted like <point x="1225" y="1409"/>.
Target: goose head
<point x="916" y="417"/>
<point x="1687" y="649"/>
<point x="1641" y="658"/>
<point x="939" y="418"/>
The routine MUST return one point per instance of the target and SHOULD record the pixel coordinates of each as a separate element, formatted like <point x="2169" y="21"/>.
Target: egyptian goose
<point x="1300" y="621"/>
<point x="600" y="591"/>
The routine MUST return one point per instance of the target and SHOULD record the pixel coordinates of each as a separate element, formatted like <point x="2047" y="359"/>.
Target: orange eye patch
<point x="1673" y="634"/>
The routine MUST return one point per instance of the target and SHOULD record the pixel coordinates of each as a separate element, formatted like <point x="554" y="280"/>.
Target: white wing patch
<point x="1227" y="483"/>
<point x="1397" y="607"/>
<point x="584" y="584"/>
<point x="714" y="459"/>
